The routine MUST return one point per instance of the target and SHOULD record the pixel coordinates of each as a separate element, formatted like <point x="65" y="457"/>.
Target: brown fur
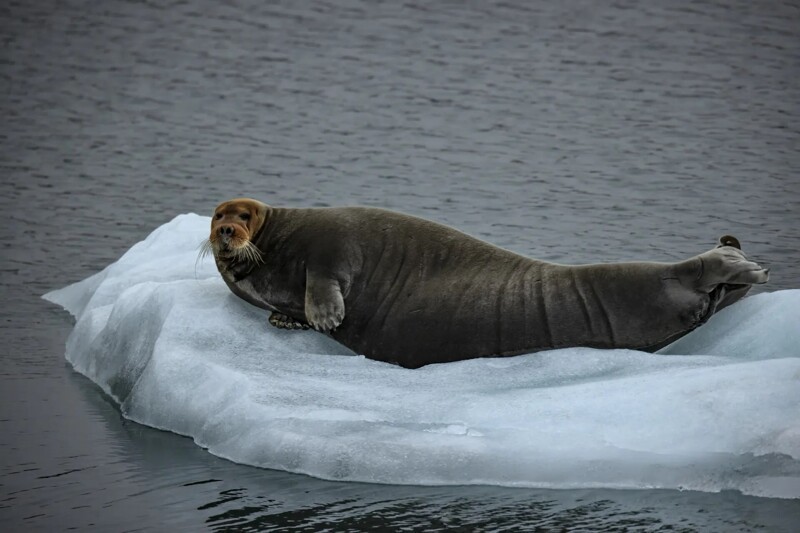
<point x="244" y="215"/>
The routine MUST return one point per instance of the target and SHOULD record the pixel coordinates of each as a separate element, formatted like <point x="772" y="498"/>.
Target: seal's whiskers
<point x="205" y="249"/>
<point x="249" y="252"/>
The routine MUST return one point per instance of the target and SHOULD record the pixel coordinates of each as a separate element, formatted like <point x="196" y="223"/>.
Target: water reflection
<point x="164" y="471"/>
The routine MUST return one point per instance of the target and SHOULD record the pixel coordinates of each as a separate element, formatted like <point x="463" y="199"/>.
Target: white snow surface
<point x="719" y="409"/>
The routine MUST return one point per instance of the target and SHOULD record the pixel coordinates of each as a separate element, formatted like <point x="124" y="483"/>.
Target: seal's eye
<point x="218" y="216"/>
<point x="245" y="216"/>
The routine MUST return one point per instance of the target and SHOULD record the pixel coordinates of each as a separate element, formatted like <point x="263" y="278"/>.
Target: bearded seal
<point x="409" y="291"/>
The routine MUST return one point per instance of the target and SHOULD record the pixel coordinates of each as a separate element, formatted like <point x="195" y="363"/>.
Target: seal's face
<point x="233" y="226"/>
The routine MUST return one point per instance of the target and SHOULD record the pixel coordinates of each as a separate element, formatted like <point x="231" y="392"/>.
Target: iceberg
<point x="719" y="409"/>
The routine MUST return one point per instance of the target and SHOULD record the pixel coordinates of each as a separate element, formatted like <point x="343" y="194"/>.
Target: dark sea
<point x="575" y="131"/>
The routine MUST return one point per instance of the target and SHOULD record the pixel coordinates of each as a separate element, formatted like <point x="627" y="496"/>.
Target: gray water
<point x="570" y="131"/>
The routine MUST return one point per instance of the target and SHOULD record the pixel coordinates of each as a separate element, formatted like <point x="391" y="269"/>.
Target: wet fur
<point x="412" y="292"/>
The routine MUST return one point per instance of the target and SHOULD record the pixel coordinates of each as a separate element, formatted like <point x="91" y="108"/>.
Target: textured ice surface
<point x="719" y="409"/>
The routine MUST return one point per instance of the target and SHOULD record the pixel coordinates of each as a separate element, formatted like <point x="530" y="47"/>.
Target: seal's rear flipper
<point x="732" y="294"/>
<point x="724" y="273"/>
<point x="727" y="264"/>
<point x="729" y="240"/>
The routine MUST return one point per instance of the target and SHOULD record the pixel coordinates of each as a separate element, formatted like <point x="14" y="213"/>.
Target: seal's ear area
<point x="258" y="218"/>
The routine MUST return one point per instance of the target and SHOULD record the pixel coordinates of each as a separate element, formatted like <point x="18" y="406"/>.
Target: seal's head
<point x="234" y="225"/>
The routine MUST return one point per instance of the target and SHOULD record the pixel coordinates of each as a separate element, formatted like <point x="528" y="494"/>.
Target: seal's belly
<point x="505" y="312"/>
<point x="461" y="313"/>
<point x="246" y="290"/>
<point x="282" y="295"/>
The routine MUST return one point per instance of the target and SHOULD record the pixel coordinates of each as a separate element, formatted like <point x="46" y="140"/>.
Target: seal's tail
<point x="729" y="240"/>
<point x="728" y="264"/>
<point x="724" y="273"/>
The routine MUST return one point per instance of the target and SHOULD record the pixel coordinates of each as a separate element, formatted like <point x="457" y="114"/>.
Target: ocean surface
<point x="570" y="131"/>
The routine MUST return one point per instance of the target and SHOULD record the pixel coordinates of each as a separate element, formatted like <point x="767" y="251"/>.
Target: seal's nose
<point x="226" y="231"/>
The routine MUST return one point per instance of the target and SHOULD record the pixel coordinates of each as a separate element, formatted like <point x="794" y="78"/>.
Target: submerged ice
<point x="718" y="409"/>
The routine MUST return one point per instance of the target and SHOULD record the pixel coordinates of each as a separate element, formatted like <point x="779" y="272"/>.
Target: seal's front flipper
<point x="324" y="302"/>
<point x="281" y="321"/>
